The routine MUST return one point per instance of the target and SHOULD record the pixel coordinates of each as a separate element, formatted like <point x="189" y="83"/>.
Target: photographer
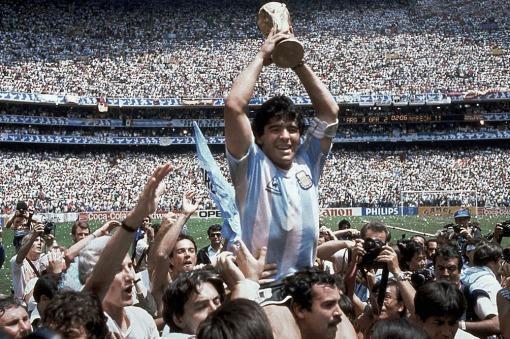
<point x="20" y="223"/>
<point x="29" y="262"/>
<point x="340" y="252"/>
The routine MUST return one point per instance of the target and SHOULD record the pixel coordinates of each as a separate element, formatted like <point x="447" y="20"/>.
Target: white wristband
<point x="462" y="325"/>
<point x="321" y="129"/>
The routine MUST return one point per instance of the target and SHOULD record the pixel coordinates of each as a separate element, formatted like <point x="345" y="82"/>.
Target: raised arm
<point x="322" y="100"/>
<point x="118" y="246"/>
<point x="38" y="231"/>
<point x="75" y="249"/>
<point x="159" y="256"/>
<point x="238" y="134"/>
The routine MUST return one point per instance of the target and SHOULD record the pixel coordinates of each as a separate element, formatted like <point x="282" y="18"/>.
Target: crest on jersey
<point x="273" y="186"/>
<point x="304" y="180"/>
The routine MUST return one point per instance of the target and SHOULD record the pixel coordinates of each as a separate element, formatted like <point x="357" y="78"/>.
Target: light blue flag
<point x="221" y="191"/>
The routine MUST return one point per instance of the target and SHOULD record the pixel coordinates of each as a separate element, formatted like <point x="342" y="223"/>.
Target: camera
<point x="373" y="248"/>
<point x="506" y="228"/>
<point x="506" y="254"/>
<point x="49" y="227"/>
<point x="421" y="277"/>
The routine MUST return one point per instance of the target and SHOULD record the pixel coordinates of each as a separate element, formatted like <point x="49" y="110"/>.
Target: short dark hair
<point x="431" y="240"/>
<point x="419" y="236"/>
<point x="8" y="303"/>
<point x="238" y="318"/>
<point x="183" y="236"/>
<point x="280" y="107"/>
<point x="212" y="228"/>
<point x="344" y="224"/>
<point x="46" y="285"/>
<point x="376" y="226"/>
<point x="397" y="329"/>
<point x="81" y="224"/>
<point x="439" y="298"/>
<point x="72" y="309"/>
<point x="408" y="249"/>
<point x="180" y="290"/>
<point x="487" y="252"/>
<point x="299" y="285"/>
<point x="449" y="252"/>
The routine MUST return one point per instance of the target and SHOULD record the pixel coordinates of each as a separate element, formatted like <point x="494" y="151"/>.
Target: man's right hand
<point x="358" y="251"/>
<point x="268" y="47"/>
<point x="39" y="229"/>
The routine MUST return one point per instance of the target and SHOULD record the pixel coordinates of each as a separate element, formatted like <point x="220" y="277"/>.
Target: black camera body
<point x="420" y="277"/>
<point x="506" y="228"/>
<point x="49" y="227"/>
<point x="373" y="248"/>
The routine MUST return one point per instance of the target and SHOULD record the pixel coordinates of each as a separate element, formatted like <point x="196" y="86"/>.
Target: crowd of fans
<point x="194" y="50"/>
<point x="103" y="181"/>
<point x="454" y="285"/>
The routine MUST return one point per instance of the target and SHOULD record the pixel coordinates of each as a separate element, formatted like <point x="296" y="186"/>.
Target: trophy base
<point x="288" y="53"/>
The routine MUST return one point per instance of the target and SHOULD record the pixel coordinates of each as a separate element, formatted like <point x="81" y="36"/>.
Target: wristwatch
<point x="401" y="276"/>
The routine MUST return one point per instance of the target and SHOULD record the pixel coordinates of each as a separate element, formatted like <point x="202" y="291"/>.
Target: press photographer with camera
<point x="20" y="222"/>
<point x="31" y="261"/>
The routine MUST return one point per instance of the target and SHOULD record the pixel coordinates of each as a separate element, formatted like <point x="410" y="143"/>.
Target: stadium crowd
<point x="103" y="181"/>
<point x="194" y="50"/>
<point x="452" y="286"/>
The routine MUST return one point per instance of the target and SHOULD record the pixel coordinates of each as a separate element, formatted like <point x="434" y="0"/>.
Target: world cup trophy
<point x="274" y="15"/>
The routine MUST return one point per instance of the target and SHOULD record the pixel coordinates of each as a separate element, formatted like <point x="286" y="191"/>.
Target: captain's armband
<point x="321" y="129"/>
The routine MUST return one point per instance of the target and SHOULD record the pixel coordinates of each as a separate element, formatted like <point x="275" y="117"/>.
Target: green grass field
<point x="197" y="228"/>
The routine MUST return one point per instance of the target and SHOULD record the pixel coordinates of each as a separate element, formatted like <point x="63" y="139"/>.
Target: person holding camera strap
<point x="23" y="270"/>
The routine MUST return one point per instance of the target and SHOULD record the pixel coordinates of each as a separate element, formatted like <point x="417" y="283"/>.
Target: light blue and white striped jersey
<point x="279" y="208"/>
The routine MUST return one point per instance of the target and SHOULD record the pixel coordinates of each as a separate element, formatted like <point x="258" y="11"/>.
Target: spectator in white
<point x="208" y="254"/>
<point x="106" y="269"/>
<point x="30" y="261"/>
<point x="482" y="282"/>
<point x="14" y="318"/>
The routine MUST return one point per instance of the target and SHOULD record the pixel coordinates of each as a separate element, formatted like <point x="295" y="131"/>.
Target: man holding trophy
<point x="274" y="171"/>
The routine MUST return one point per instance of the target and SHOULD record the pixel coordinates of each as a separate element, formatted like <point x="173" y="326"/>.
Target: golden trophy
<point x="289" y="52"/>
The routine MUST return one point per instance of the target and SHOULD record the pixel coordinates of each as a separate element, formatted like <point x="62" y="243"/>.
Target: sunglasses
<point x="214" y="235"/>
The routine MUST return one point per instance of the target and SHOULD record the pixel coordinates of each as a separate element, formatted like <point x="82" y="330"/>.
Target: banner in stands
<point x="493" y="211"/>
<point x="120" y="215"/>
<point x="384" y="211"/>
<point x="341" y="212"/>
<point x="442" y="211"/>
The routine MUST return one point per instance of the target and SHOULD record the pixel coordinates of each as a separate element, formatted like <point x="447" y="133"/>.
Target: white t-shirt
<point x="23" y="273"/>
<point x="141" y="325"/>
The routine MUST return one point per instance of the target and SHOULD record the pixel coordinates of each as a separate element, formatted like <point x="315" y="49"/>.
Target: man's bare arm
<point x="25" y="248"/>
<point x="118" y="246"/>
<point x="322" y="100"/>
<point x="73" y="251"/>
<point x="238" y="134"/>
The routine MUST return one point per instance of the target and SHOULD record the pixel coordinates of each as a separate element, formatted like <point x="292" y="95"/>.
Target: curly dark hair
<point x="69" y="310"/>
<point x="180" y="290"/>
<point x="238" y="318"/>
<point x="280" y="107"/>
<point x="299" y="285"/>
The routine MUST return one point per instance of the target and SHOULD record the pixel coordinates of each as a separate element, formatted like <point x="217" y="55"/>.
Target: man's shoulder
<point x="204" y="249"/>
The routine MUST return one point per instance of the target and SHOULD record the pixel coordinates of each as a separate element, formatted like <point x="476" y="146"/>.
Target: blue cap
<point x="463" y="213"/>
